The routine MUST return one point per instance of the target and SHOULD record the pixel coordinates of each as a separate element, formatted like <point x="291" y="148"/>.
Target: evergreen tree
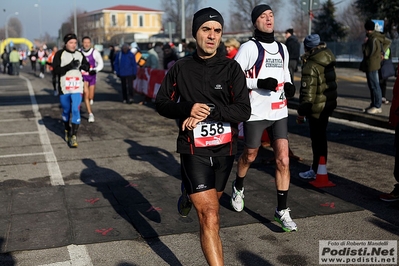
<point x="386" y="10"/>
<point x="326" y="26"/>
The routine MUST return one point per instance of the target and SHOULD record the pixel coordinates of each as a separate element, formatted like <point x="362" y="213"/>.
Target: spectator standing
<point x="126" y="69"/>
<point x="169" y="56"/>
<point x="293" y="47"/>
<point x="158" y="49"/>
<point x="14" y="60"/>
<point x="111" y="57"/>
<point x="373" y="52"/>
<point x="384" y="74"/>
<point x="6" y="58"/>
<point x="190" y="48"/>
<point x="232" y="46"/>
<point x="394" y="121"/>
<point x="152" y="59"/>
<point x="317" y="97"/>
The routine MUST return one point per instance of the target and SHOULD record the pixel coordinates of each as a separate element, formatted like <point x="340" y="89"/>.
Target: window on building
<point x="128" y="20"/>
<point x="141" y="21"/>
<point x="113" y="20"/>
<point x="96" y="21"/>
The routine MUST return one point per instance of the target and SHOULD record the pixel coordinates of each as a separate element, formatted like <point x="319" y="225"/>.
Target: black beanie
<point x="291" y="31"/>
<point x="69" y="37"/>
<point x="257" y="11"/>
<point x="204" y="15"/>
<point x="369" y="25"/>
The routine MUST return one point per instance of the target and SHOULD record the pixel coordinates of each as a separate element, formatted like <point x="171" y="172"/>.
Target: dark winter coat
<point x="318" y="92"/>
<point x="293" y="47"/>
<point x="373" y="51"/>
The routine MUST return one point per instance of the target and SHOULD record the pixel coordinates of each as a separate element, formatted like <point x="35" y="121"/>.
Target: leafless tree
<point x="355" y="25"/>
<point x="240" y="13"/>
<point x="300" y="20"/>
<point x="172" y="9"/>
<point x="14" y="29"/>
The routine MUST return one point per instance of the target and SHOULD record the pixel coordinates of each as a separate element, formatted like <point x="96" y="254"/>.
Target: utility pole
<point x="307" y="7"/>
<point x="310" y="16"/>
<point x="183" y="21"/>
<point x="75" y="20"/>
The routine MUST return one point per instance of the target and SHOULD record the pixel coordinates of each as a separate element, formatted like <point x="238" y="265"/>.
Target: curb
<point x="372" y="120"/>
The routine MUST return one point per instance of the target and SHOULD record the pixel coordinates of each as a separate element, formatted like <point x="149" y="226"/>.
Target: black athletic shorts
<point x="201" y="173"/>
<point x="253" y="131"/>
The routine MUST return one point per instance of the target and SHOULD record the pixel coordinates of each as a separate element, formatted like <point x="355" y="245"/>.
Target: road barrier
<point x="148" y="81"/>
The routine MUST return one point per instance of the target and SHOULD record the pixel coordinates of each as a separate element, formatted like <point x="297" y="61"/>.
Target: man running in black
<point x="207" y="92"/>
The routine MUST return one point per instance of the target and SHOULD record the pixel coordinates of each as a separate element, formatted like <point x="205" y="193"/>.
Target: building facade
<point x="119" y="24"/>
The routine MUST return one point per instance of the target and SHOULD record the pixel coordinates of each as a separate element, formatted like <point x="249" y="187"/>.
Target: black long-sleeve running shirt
<point x="217" y="80"/>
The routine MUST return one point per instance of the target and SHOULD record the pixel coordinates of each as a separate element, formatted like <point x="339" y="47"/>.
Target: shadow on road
<point x="124" y="195"/>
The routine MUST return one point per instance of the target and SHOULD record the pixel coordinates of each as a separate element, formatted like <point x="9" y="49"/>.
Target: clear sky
<point x="41" y="16"/>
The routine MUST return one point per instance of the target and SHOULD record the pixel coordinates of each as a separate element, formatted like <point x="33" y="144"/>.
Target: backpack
<point x="5" y="57"/>
<point x="261" y="55"/>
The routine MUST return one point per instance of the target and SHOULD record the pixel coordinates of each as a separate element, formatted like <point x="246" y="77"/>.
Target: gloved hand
<point x="289" y="90"/>
<point x="268" y="84"/>
<point x="300" y="120"/>
<point x="92" y="72"/>
<point x="75" y="64"/>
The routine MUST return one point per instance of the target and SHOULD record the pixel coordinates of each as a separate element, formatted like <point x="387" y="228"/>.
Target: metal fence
<point x="352" y="51"/>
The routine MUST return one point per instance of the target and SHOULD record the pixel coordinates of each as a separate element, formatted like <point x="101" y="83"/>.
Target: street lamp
<point x="6" y="28"/>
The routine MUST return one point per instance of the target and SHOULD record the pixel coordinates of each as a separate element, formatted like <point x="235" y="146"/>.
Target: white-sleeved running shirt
<point x="98" y="60"/>
<point x="265" y="104"/>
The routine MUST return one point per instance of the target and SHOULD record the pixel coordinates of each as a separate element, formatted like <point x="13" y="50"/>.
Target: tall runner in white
<point x="265" y="63"/>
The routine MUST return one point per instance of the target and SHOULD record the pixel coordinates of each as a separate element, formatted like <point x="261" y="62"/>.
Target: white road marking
<point x="22" y="154"/>
<point x="79" y="257"/>
<point x="15" y="120"/>
<point x="18" y="133"/>
<point x="52" y="165"/>
<point x="78" y="253"/>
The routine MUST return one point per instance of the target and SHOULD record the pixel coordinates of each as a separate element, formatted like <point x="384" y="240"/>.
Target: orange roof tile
<point x="131" y="8"/>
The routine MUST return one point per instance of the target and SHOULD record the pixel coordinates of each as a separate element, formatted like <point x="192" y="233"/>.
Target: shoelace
<point x="238" y="195"/>
<point x="286" y="216"/>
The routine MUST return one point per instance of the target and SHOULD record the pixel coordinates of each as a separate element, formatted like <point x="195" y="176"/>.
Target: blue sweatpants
<point x="68" y="102"/>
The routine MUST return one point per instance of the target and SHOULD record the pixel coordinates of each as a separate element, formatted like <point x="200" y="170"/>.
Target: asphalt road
<point x="133" y="143"/>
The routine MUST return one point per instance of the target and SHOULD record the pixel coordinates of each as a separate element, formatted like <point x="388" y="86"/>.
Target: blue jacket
<point x="125" y="64"/>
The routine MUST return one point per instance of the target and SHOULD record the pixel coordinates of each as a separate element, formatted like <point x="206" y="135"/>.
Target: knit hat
<point x="369" y="25"/>
<point x="257" y="11"/>
<point x="204" y="15"/>
<point x="291" y="31"/>
<point x="69" y="37"/>
<point x="311" y="40"/>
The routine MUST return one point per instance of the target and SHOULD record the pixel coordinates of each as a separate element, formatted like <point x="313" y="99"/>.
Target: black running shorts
<point x="201" y="173"/>
<point x="253" y="131"/>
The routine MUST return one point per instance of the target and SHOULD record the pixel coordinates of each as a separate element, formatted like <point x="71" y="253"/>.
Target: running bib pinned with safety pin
<point x="282" y="101"/>
<point x="211" y="133"/>
<point x="72" y="83"/>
